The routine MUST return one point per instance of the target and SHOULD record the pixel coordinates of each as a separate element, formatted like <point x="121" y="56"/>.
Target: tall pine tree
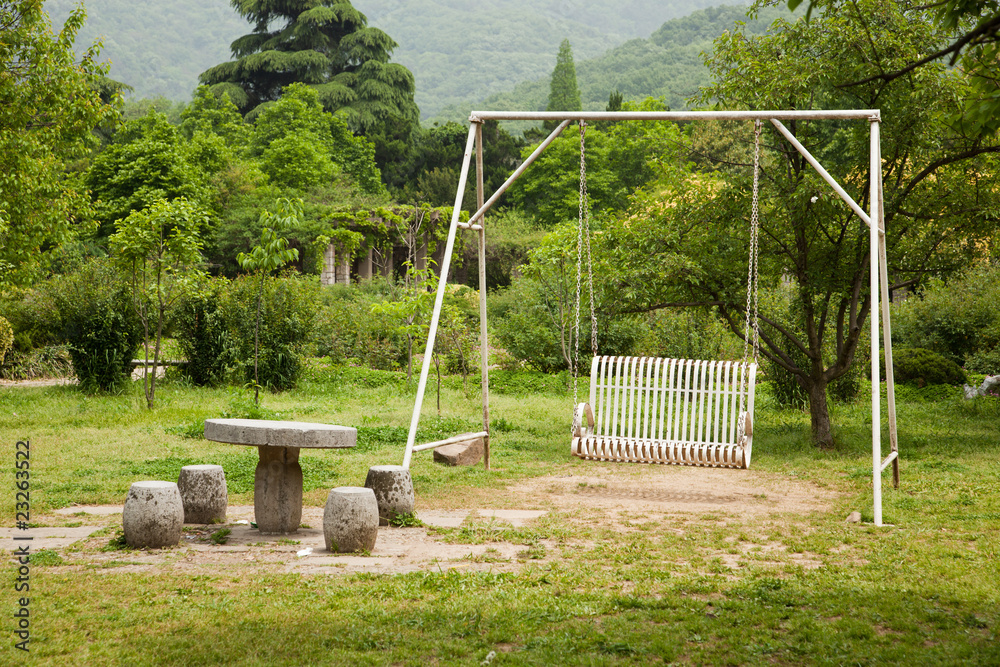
<point x="563" y="92"/>
<point x="327" y="45"/>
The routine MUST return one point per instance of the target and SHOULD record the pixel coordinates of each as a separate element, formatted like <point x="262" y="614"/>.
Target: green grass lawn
<point x="652" y="589"/>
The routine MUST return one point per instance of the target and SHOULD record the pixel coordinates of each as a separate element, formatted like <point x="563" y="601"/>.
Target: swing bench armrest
<point x="583" y="420"/>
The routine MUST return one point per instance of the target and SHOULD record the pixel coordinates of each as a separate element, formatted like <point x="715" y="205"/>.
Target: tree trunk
<point x="820" y="415"/>
<point x="256" y="344"/>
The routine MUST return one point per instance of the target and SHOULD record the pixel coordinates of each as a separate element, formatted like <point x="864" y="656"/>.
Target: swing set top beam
<point x="814" y="114"/>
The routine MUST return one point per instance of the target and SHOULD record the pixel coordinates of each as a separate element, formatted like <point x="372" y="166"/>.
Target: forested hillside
<point x="458" y="51"/>
<point x="462" y="51"/>
<point x="158" y="48"/>
<point x="668" y="65"/>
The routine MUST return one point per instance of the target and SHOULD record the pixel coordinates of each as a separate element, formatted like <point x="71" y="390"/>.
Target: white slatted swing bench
<point x="655" y="410"/>
<point x="679" y="411"/>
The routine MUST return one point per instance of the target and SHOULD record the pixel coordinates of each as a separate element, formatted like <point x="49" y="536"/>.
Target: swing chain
<point x="752" y="323"/>
<point x="575" y="329"/>
<point x="583" y="232"/>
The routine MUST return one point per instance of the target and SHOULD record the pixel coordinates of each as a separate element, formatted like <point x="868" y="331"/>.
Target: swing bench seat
<point x="679" y="411"/>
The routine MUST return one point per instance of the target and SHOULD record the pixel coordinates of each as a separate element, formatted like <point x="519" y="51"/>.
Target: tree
<point x="564" y="95"/>
<point x="148" y="161"/>
<point x="619" y="157"/>
<point x="48" y="110"/>
<point x="160" y="248"/>
<point x="326" y="44"/>
<point x="268" y="256"/>
<point x="973" y="43"/>
<point x="684" y="241"/>
<point x="301" y="145"/>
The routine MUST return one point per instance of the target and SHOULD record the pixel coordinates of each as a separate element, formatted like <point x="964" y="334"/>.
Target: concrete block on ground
<point x="350" y="519"/>
<point x="393" y="488"/>
<point x="467" y="453"/>
<point x="153" y="515"/>
<point x="203" y="493"/>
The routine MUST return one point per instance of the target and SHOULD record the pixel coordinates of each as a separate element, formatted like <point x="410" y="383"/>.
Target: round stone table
<point x="277" y="492"/>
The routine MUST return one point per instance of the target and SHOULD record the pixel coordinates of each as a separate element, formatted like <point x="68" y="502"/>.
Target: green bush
<point x="349" y="331"/>
<point x="288" y="305"/>
<point x="958" y="319"/>
<point x="986" y="362"/>
<point x="688" y="334"/>
<point x="30" y="313"/>
<point x="526" y="321"/>
<point x="6" y="337"/>
<point x="923" y="367"/>
<point x="99" y="325"/>
<point x="201" y="333"/>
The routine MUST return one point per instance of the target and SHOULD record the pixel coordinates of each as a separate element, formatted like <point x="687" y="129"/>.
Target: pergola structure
<point x="874" y="218"/>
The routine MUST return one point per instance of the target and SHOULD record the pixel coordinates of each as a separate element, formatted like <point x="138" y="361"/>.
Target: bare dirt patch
<point x="675" y="489"/>
<point x="617" y="494"/>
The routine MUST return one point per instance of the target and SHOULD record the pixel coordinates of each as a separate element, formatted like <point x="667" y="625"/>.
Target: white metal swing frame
<point x="879" y="288"/>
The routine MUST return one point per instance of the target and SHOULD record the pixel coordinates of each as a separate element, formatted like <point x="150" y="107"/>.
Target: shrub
<point x="984" y="361"/>
<point x="201" y="333"/>
<point x="923" y="367"/>
<point x="6" y="337"/>
<point x="347" y="329"/>
<point x="958" y="319"/>
<point x="99" y="325"/>
<point x="30" y="314"/>
<point x="533" y="326"/>
<point x="688" y="334"/>
<point x="288" y="305"/>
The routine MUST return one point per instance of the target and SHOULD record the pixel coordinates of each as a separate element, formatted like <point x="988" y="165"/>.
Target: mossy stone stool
<point x="203" y="493"/>
<point x="393" y="489"/>
<point x="153" y="515"/>
<point x="350" y="519"/>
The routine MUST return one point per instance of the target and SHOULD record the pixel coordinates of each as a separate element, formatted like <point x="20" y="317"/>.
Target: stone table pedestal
<point x="278" y="478"/>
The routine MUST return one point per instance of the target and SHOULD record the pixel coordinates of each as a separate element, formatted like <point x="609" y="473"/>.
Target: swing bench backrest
<point x="680" y="411"/>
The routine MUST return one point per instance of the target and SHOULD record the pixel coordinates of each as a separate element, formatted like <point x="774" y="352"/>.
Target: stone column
<point x="344" y="271"/>
<point x="328" y="276"/>
<point x="366" y="265"/>
<point x="277" y="494"/>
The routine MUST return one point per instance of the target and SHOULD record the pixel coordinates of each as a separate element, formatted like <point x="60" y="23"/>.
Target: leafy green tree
<point x="297" y="122"/>
<point x="268" y="256"/>
<point x="160" y="249"/>
<point x="435" y="161"/>
<point x="209" y="114"/>
<point x="148" y="161"/>
<point x="685" y="239"/>
<point x="564" y="95"/>
<point x="48" y="109"/>
<point x="619" y="158"/>
<point x="411" y="307"/>
<point x="972" y="42"/>
<point x="326" y="44"/>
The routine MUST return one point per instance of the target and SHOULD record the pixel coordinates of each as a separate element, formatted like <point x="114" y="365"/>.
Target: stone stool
<point x="153" y="515"/>
<point x="203" y="492"/>
<point x="350" y="519"/>
<point x="393" y="489"/>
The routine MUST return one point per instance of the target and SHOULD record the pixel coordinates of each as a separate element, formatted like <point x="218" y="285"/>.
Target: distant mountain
<point x="158" y="48"/>
<point x="458" y="50"/>
<point x="668" y="65"/>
